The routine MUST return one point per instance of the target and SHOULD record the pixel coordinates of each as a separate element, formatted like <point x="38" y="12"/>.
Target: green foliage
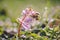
<point x="14" y="8"/>
<point x="1" y="30"/>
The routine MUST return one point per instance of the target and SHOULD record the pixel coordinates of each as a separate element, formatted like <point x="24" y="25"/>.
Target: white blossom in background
<point x="8" y="22"/>
<point x="45" y="14"/>
<point x="1" y="23"/>
<point x="8" y="30"/>
<point x="3" y="39"/>
<point x="35" y="22"/>
<point x="15" y="30"/>
<point x="46" y="8"/>
<point x="51" y="20"/>
<point x="51" y="28"/>
<point x="31" y="37"/>
<point x="23" y="36"/>
<point x="15" y="24"/>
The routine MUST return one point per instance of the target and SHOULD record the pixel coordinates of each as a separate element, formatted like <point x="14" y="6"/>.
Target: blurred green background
<point x="10" y="10"/>
<point x="13" y="8"/>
